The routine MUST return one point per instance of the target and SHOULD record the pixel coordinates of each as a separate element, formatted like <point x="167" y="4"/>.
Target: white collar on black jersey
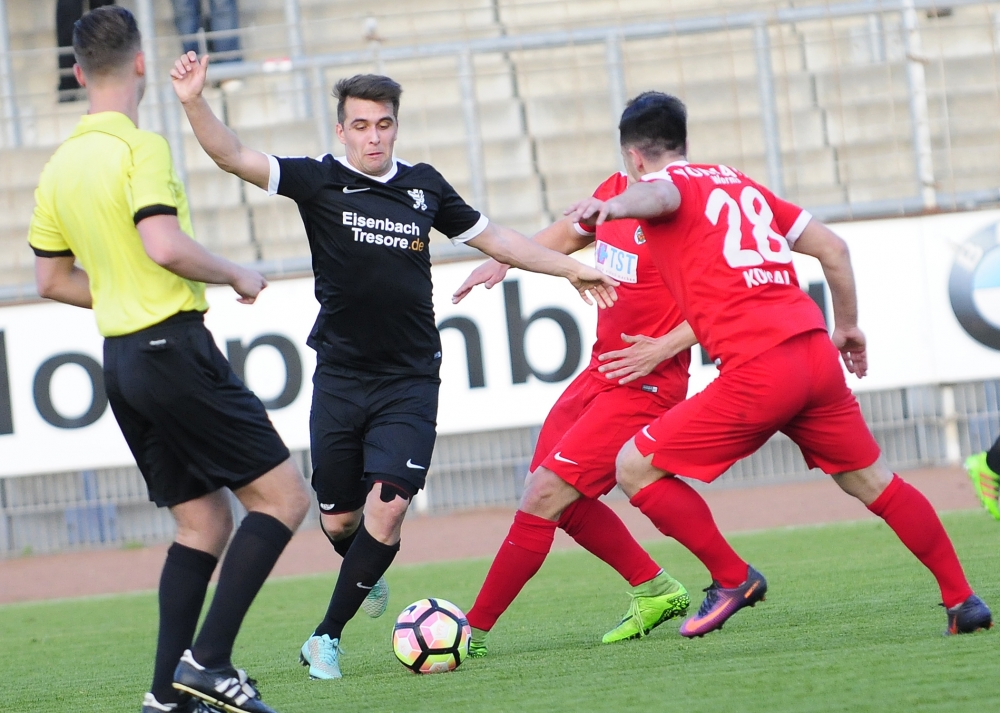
<point x="389" y="175"/>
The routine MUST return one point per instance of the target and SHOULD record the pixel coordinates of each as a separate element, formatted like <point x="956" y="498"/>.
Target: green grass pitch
<point x="850" y="624"/>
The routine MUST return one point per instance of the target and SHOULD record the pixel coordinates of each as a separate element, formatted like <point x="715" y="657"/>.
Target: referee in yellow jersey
<point x="111" y="232"/>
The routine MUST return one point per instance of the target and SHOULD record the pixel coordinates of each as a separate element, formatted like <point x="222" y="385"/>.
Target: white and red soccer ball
<point x="431" y="636"/>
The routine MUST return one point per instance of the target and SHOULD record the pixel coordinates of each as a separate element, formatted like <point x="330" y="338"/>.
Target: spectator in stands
<point x="67" y="13"/>
<point x="223" y="15"/>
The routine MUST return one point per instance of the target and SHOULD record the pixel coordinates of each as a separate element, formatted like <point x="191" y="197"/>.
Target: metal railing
<point x="761" y="23"/>
<point x="915" y="427"/>
<point x="761" y="37"/>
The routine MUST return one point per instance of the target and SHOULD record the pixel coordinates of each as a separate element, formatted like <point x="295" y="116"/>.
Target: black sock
<point x="252" y="553"/>
<point x="183" y="582"/>
<point x="344" y="544"/>
<point x="993" y="457"/>
<point x="366" y="561"/>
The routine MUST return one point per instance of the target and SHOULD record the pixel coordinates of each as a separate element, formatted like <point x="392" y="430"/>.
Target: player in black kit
<point x="368" y="218"/>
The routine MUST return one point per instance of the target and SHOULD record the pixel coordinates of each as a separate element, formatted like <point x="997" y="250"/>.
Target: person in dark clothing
<point x="67" y="13"/>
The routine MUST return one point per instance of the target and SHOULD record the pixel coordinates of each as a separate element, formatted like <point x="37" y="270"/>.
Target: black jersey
<point x="369" y="238"/>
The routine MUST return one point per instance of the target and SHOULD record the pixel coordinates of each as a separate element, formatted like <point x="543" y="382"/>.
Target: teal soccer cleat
<point x="377" y="600"/>
<point x="322" y="655"/>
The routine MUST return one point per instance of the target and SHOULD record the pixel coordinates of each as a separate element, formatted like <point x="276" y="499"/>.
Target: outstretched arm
<point x="218" y="140"/>
<point x="826" y="246"/>
<point x="561" y="236"/>
<point x="641" y="200"/>
<point x="511" y="248"/>
<point x="59" y="279"/>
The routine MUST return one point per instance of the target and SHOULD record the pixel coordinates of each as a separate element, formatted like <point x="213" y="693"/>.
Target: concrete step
<point x="278" y="223"/>
<point x="849" y="85"/>
<point x="20" y="168"/>
<point x="222" y="229"/>
<point x="17" y="261"/>
<point x="296" y="138"/>
<point x="16" y="207"/>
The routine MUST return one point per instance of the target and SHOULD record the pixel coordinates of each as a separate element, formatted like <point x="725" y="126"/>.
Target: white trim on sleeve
<point x="274" y="177"/>
<point x="583" y="231"/>
<point x="472" y="232"/>
<point x="797" y="227"/>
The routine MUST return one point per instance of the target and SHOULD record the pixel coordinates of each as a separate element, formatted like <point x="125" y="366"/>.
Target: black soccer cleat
<point x="969" y="616"/>
<point x="226" y="688"/>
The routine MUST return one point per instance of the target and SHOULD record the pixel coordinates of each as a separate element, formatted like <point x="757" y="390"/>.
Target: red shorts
<point x="796" y="387"/>
<point x="589" y="424"/>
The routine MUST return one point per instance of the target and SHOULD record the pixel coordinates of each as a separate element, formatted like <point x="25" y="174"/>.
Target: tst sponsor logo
<point x="613" y="262"/>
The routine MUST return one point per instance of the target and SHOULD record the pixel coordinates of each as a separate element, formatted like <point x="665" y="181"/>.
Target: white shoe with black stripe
<point x="227" y="689"/>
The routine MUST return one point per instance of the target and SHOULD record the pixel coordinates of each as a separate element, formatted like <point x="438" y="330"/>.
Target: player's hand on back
<point x="490" y="273"/>
<point x="851" y="343"/>
<point x="634" y="361"/>
<point x="248" y="284"/>
<point x="594" y="283"/>
<point x="188" y="76"/>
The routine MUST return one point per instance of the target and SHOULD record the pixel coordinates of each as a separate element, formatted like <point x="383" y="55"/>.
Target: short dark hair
<point x="105" y="40"/>
<point x="373" y="87"/>
<point x="654" y="123"/>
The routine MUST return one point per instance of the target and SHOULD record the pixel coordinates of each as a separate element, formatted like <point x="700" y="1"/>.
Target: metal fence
<point x="855" y="110"/>
<point x="862" y="109"/>
<point x="916" y="427"/>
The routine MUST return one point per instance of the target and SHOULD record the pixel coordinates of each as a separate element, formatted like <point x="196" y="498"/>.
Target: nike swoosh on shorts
<point x="646" y="434"/>
<point x="411" y="464"/>
<point x="559" y="457"/>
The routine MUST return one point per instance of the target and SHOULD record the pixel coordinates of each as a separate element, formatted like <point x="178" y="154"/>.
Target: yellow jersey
<point x="104" y="179"/>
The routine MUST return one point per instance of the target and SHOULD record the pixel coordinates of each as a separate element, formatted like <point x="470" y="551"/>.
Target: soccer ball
<point x="431" y="636"/>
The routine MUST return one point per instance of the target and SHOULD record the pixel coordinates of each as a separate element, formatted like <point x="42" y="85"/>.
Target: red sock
<point x="911" y="517"/>
<point x="519" y="557"/>
<point x="679" y="512"/>
<point x="599" y="531"/>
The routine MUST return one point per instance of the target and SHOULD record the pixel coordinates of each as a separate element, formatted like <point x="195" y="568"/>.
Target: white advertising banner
<point x="929" y="292"/>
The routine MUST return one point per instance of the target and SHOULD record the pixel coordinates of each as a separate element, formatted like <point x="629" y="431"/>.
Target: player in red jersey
<point x="723" y="243"/>
<point x="638" y="369"/>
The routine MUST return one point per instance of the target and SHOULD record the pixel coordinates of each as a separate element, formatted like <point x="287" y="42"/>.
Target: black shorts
<point x="191" y="424"/>
<point x="367" y="428"/>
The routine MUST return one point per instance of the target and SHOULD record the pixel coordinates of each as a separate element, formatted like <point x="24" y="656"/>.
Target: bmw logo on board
<point x="974" y="286"/>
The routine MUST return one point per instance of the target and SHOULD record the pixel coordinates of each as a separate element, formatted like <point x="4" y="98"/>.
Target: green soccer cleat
<point x="985" y="482"/>
<point x="653" y="603"/>
<point x="477" y="644"/>
<point x="322" y="655"/>
<point x="377" y="600"/>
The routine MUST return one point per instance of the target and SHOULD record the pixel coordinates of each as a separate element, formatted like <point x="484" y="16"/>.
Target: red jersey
<point x="644" y="305"/>
<point x="726" y="256"/>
